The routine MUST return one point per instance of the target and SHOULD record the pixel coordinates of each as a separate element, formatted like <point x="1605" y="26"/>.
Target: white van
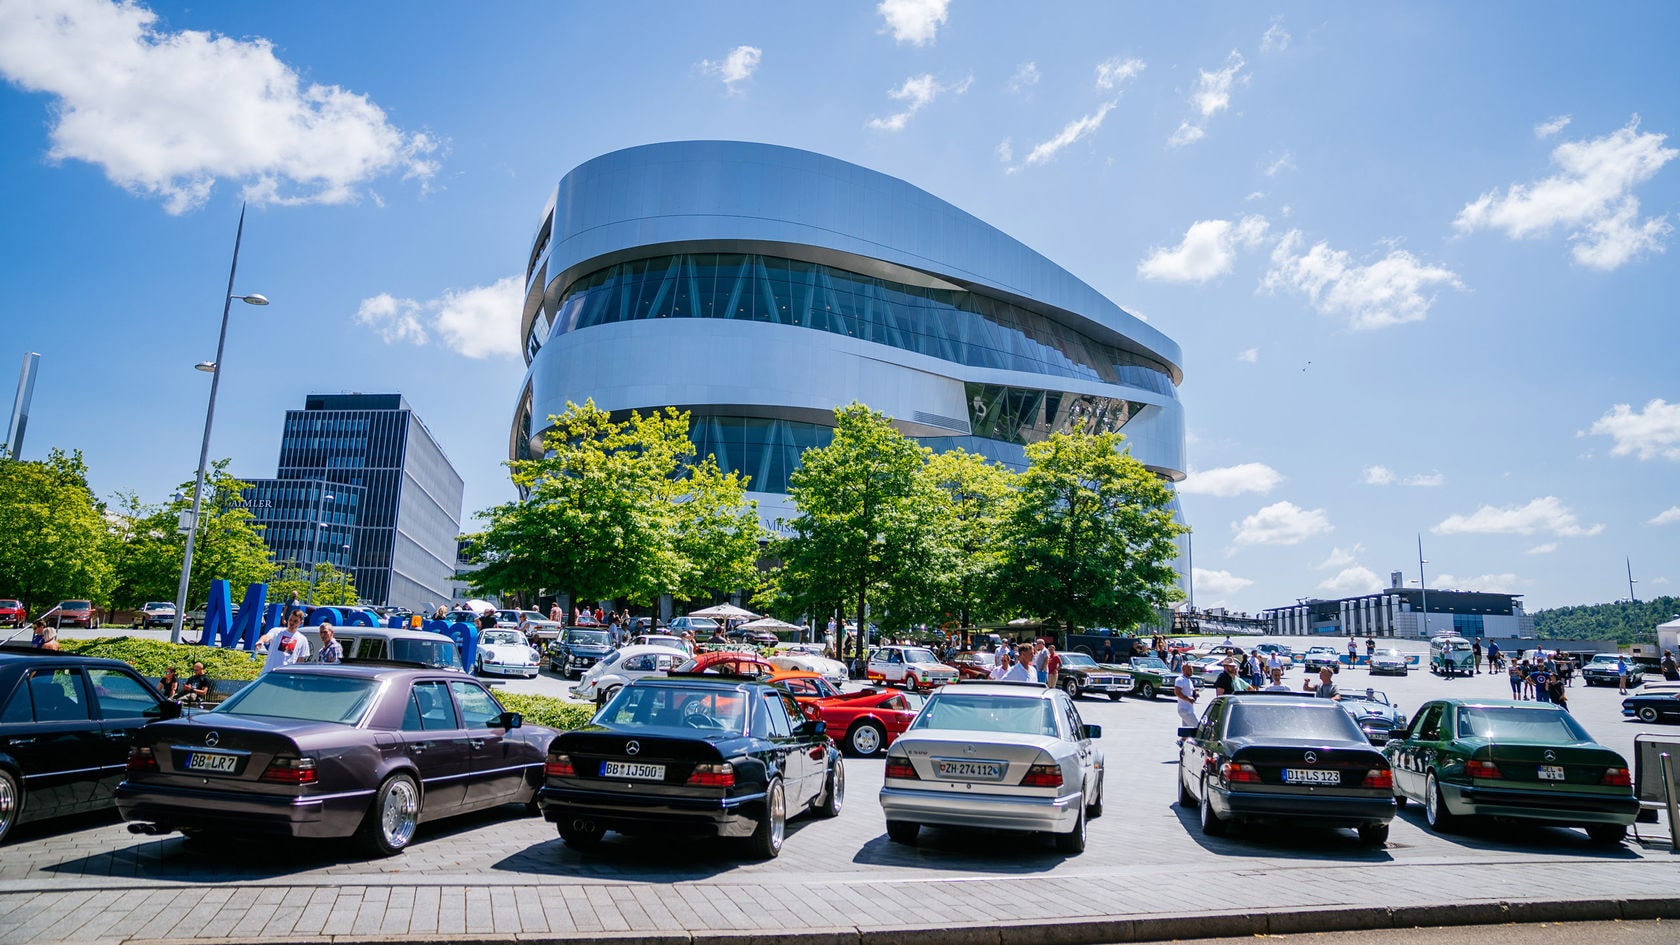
<point x="385" y="643"/>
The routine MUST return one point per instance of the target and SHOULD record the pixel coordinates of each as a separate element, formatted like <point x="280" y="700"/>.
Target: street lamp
<point x="315" y="545"/>
<point x="1424" y="584"/>
<point x="215" y="371"/>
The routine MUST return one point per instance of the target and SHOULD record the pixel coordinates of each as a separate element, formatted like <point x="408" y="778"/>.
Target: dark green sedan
<point x="1527" y="761"/>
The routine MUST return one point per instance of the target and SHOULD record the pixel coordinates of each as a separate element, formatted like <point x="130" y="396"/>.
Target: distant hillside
<point x="1623" y="622"/>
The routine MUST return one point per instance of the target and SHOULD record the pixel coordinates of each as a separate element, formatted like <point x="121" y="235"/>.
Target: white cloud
<point x="1207" y="250"/>
<point x="1025" y="77"/>
<point x="1544" y="549"/>
<point x="1249" y="355"/>
<point x="1352" y="581"/>
<point x="1488" y="583"/>
<point x="1341" y="557"/>
<point x="480" y="322"/>
<point x="1116" y="71"/>
<point x="1283" y="523"/>
<point x="1591" y="195"/>
<point x="1428" y="480"/>
<point x="1256" y="195"/>
<point x="1218" y="583"/>
<point x="1285" y="162"/>
<point x="1071" y="132"/>
<point x="1006" y="150"/>
<point x="1669" y="516"/>
<point x="1378" y="476"/>
<point x="1186" y="134"/>
<point x="1275" y="39"/>
<point x="1551" y="126"/>
<point x="1213" y="89"/>
<point x="1546" y="514"/>
<point x="1652" y="432"/>
<point x="1389" y="291"/>
<point x="1231" y="480"/>
<point x="917" y="93"/>
<point x="738" y="66"/>
<point x="1383" y="476"/>
<point x="914" y="21"/>
<point x="1659" y="580"/>
<point x="170" y="114"/>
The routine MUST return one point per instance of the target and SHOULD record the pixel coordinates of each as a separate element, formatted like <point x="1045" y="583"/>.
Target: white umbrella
<point x="479" y="606"/>
<point x="725" y="611"/>
<point x="768" y="623"/>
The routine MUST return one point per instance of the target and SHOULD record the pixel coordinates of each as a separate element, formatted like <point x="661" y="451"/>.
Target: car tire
<point x="834" y="792"/>
<point x="1071" y="687"/>
<point x="866" y="739"/>
<point x="766" y="840"/>
<point x="1607" y="835"/>
<point x="1400" y="801"/>
<point x="1435" y="810"/>
<point x="577" y="839"/>
<point x="1213" y="825"/>
<point x="1146" y="691"/>
<point x="1094" y="809"/>
<point x="1185" y="797"/>
<point x="11" y="802"/>
<point x="1074" y="840"/>
<point x="910" y="682"/>
<point x="1373" y="835"/>
<point x="392" y="818"/>
<point x="607" y="695"/>
<point x="1648" y="713"/>
<point x="903" y="831"/>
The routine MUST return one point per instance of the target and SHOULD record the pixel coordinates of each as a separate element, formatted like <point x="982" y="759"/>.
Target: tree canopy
<point x="53" y="545"/>
<point x="1623" y="621"/>
<point x="146" y="546"/>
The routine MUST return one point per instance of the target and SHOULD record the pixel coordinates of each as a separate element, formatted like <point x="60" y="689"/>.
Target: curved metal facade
<point x="759" y="287"/>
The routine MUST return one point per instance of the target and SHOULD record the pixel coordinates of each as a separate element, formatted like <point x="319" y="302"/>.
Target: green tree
<point x="1089" y="539"/>
<point x="147" y="546"/>
<point x="715" y="531"/>
<point x="866" y="520"/>
<point x="53" y="541"/>
<point x="333" y="587"/>
<point x="974" y="500"/>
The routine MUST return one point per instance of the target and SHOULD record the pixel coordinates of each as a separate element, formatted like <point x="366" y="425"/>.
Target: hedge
<point x="555" y="713"/>
<point x="152" y="657"/>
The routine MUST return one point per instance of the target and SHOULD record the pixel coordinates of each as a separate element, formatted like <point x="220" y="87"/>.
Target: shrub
<point x="151" y="657"/>
<point x="557" y="714"/>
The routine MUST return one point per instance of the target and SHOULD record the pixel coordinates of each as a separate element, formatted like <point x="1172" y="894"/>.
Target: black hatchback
<point x="65" y="727"/>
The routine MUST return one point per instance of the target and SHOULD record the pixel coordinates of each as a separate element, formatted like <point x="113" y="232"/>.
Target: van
<point x="386" y="643"/>
<point x="1451" y="655"/>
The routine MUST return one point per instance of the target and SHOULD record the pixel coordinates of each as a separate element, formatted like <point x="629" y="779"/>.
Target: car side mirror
<point x="814" y="727"/>
<point x="510" y="720"/>
<point x="1093" y="731"/>
<point x="1188" y="731"/>
<point x="164" y="711"/>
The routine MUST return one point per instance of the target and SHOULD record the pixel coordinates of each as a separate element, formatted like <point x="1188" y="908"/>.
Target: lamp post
<point x="1424" y="584"/>
<point x="215" y="371"/>
<point x="315" y="546"/>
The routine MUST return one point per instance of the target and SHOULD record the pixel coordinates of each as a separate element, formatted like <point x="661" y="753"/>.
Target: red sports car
<point x="728" y="663"/>
<point x="864" y="723"/>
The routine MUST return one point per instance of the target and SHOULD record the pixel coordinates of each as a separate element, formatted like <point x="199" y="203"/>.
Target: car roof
<point x="22" y="653"/>
<point x="1002" y="687"/>
<point x="394" y="633"/>
<point x="792" y="674"/>
<point x="365" y="669"/>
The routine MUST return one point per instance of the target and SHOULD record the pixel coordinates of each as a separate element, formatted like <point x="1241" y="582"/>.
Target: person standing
<point x="1493" y="655"/>
<point x="1184" y="688"/>
<point x="45" y="637"/>
<point x="1226" y="682"/>
<point x="1621" y="674"/>
<point x="332" y="651"/>
<point x="1557" y="695"/>
<point x="1353" y="652"/>
<point x="554" y="612"/>
<point x="1670" y="668"/>
<point x="1052" y="666"/>
<point x="292" y="604"/>
<point x="286" y="645"/>
<point x="1515" y="673"/>
<point x="1327" y="685"/>
<point x="1476" y="656"/>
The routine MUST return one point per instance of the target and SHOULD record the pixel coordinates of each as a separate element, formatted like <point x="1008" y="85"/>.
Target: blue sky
<point x="1418" y="256"/>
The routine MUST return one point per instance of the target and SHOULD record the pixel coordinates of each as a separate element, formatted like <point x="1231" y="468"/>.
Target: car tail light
<point x="141" y="760"/>
<point x="901" y="768"/>
<point x="559" y="766"/>
<point x="1616" y="777"/>
<point x="1379" y="778"/>
<point x="712" y="776"/>
<point x="290" y="771"/>
<point x="1482" y="769"/>
<point x="1043" y="776"/>
<point x="1238" y="772"/>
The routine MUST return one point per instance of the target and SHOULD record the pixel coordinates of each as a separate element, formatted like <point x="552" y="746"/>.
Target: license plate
<point x="205" y="761"/>
<point x="970" y="770"/>
<point x="624" y="769"/>
<point x="1551" y="772"/>
<point x="1311" y="776"/>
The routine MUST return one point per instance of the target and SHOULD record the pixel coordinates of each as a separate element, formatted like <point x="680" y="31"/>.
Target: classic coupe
<point x="625" y="665"/>
<point x="1265" y="757"/>
<point x="1512" y="760"/>
<point x="1388" y="663"/>
<point x="913" y="667"/>
<point x="576" y="649"/>
<point x="808" y="658"/>
<point x="369" y="751"/>
<point x="997" y="756"/>
<point x="1081" y="674"/>
<point x="1150" y="675"/>
<point x="1377" y="717"/>
<point x="693" y="754"/>
<point x="864" y="722"/>
<point x="503" y="652"/>
<point x="1651" y="706"/>
<point x="1318" y="657"/>
<point x="972" y="664"/>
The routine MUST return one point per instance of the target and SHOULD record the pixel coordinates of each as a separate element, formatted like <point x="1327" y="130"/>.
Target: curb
<point x="1109" y="930"/>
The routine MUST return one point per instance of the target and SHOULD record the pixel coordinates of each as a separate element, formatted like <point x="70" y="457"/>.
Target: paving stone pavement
<point x="503" y="876"/>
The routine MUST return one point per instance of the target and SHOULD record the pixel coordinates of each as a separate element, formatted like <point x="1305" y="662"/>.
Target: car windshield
<point x="503" y="638"/>
<point x="985" y="712"/>
<point x="437" y="654"/>
<point x="918" y="654"/>
<point x="1520" y="724"/>
<point x="699" y="624"/>
<point x="1388" y="654"/>
<point x="1078" y="659"/>
<point x="703" y="709"/>
<point x="1250" y="719"/>
<point x="1603" y="661"/>
<point x="1151" y="663"/>
<point x="1372" y="696"/>
<point x="305" y="697"/>
<point x="587" y="637"/>
<point x="74" y="605"/>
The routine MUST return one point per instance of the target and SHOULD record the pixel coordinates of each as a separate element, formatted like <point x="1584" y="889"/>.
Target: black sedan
<point x="65" y="726"/>
<point x="369" y="751"/>
<point x="693" y="754"/>
<point x="1661" y="706"/>
<point x="1259" y="757"/>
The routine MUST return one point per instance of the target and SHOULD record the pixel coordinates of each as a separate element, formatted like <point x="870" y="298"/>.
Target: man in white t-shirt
<point x="1184" y="687"/>
<point x="286" y="645"/>
<point x="1022" y="670"/>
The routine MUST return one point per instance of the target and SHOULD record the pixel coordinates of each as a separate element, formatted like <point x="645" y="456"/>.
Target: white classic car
<point x="809" y="658"/>
<point x="623" y="665"/>
<point x="506" y="653"/>
<point x="912" y="667"/>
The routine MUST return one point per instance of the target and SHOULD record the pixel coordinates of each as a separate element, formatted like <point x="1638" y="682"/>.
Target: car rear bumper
<point x="509" y="669"/>
<point x="326" y="815"/>
<point x="1325" y="810"/>
<point x="736" y="816"/>
<point x="1554" y="807"/>
<point x="997" y="811"/>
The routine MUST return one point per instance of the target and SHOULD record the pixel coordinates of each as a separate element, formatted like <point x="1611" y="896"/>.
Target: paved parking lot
<point x="505" y="874"/>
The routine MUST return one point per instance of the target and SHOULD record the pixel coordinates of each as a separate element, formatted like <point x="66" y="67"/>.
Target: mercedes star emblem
<point x="632" y="747"/>
<point x="1550" y="755"/>
<point x="1311" y="757"/>
<point x="211" y="738"/>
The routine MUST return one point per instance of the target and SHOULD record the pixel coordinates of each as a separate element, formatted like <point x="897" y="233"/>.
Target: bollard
<point x="1673" y="802"/>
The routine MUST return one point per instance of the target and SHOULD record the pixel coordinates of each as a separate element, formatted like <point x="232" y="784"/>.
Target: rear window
<point x="305" y="697"/>
<point x="1250" y="719"/>
<point x="700" y="709"/>
<point x="438" y="654"/>
<point x="987" y="713"/>
<point x="1520" y="724"/>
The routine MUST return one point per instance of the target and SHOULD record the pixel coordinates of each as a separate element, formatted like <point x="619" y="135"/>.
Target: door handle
<point x="117" y="736"/>
<point x="419" y="747"/>
<point x="22" y="741"/>
<point x="475" y="743"/>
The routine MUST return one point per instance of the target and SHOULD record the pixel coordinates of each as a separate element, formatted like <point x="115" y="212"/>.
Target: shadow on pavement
<point x="1282" y="839"/>
<point x="974" y="850"/>
<point x="657" y="858"/>
<point x="1519" y="837"/>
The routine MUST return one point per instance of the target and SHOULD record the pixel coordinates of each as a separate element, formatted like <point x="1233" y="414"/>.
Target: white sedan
<point x="995" y="755"/>
<point x="809" y="658"/>
<point x="624" y="665"/>
<point x="506" y="653"/>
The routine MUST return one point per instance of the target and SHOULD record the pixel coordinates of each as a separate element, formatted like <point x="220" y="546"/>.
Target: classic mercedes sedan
<point x="699" y="754"/>
<point x="1377" y="717"/>
<point x="1264" y="757"/>
<point x="1512" y="760"/>
<point x="369" y="751"/>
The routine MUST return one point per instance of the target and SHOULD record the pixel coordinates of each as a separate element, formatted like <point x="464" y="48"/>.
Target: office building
<point x="1399" y="612"/>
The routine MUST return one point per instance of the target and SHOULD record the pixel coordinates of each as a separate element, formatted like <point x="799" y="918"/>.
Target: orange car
<point x="863" y="723"/>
